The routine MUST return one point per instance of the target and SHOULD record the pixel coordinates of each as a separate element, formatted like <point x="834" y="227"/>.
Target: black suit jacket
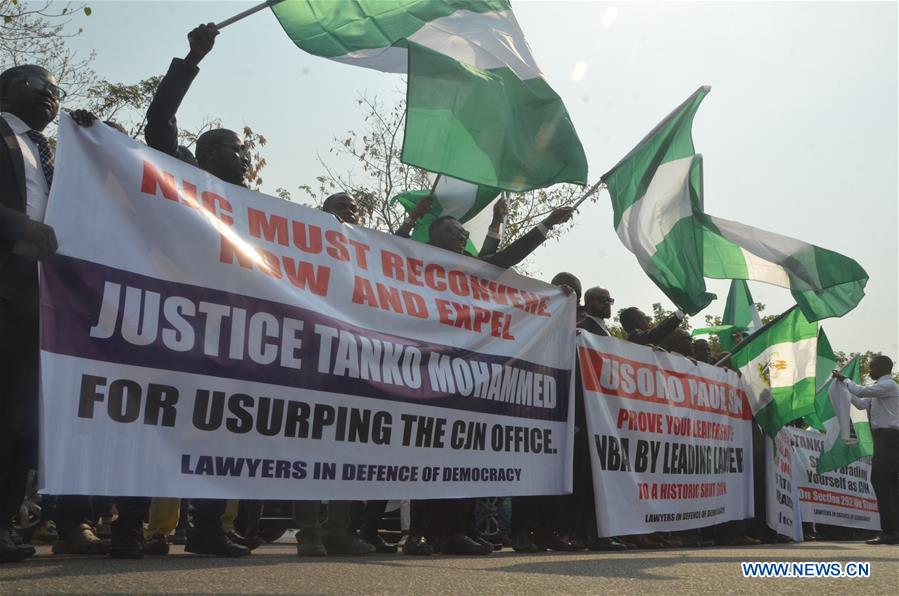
<point x="18" y="275"/>
<point x="588" y="324"/>
<point x="517" y="251"/>
<point x="655" y="335"/>
<point x="161" y="131"/>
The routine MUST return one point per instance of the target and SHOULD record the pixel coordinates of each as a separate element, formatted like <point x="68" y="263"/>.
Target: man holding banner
<point x="882" y="402"/>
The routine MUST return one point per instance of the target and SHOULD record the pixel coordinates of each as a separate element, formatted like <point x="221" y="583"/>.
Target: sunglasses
<point x="36" y="82"/>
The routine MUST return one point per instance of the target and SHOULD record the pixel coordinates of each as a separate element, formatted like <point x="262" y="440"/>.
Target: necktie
<point x="45" y="152"/>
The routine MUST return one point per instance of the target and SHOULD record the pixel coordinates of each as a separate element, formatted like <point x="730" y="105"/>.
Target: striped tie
<point x="45" y="152"/>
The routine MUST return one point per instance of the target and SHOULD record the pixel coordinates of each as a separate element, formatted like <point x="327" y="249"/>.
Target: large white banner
<point x="843" y="497"/>
<point x="203" y="340"/>
<point x="781" y="493"/>
<point x="671" y="444"/>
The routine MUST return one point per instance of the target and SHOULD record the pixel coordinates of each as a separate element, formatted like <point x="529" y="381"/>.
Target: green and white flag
<point x="462" y="200"/>
<point x="838" y="414"/>
<point x="778" y="365"/>
<point x="655" y="191"/>
<point x="825" y="363"/>
<point x="478" y="107"/>
<point x="657" y="199"/>
<point x="740" y="314"/>
<point x="824" y="283"/>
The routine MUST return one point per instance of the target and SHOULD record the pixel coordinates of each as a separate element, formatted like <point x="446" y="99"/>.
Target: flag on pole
<point x="825" y="363"/>
<point x="478" y="107"/>
<point x="457" y="198"/>
<point x="778" y="365"/>
<point x="655" y="190"/>
<point x="740" y="314"/>
<point x="657" y="199"/>
<point x="838" y="414"/>
<point x="824" y="283"/>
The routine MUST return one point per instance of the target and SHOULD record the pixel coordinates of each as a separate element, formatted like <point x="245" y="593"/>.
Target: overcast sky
<point x="799" y="133"/>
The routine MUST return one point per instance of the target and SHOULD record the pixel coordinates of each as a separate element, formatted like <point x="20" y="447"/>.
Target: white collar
<point x="17" y="125"/>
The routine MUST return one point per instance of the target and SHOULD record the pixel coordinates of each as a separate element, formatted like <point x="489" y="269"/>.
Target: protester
<point x="447" y="233"/>
<point x="597" y="308"/>
<point x="222" y="153"/>
<point x="881" y="400"/>
<point x="29" y="101"/>
<point x="639" y="327"/>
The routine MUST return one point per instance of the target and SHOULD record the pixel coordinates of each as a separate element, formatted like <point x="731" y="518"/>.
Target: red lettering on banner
<point x="154" y="180"/>
<point x="271" y="228"/>
<point x="337" y="246"/>
<point x="613" y="375"/>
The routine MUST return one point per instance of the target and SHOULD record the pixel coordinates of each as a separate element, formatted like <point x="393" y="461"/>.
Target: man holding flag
<point x="882" y="402"/>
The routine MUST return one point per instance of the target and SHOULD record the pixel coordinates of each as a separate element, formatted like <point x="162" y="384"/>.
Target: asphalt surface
<point x="275" y="569"/>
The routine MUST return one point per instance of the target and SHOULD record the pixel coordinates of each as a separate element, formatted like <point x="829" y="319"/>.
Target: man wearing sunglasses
<point x="29" y="101"/>
<point x="597" y="308"/>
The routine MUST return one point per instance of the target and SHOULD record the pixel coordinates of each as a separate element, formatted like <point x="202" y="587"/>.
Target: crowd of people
<point x="29" y="100"/>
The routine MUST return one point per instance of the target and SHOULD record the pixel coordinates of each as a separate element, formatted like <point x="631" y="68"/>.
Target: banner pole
<point x="247" y="13"/>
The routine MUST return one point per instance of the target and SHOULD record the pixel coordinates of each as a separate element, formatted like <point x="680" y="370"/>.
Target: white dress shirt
<point x="880" y="399"/>
<point x="36" y="188"/>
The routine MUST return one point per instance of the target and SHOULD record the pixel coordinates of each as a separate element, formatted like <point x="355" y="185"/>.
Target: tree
<point x="379" y="175"/>
<point x="37" y="33"/>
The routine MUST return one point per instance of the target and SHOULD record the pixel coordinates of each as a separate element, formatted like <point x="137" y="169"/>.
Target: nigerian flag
<point x="655" y="190"/>
<point x="657" y="199"/>
<point x="478" y="107"/>
<point x="825" y="362"/>
<point x="840" y="418"/>
<point x="778" y="364"/>
<point x="459" y="199"/>
<point x="740" y="314"/>
<point x="824" y="283"/>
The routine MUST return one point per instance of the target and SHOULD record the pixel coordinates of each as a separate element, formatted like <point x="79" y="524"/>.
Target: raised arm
<point x="161" y="131"/>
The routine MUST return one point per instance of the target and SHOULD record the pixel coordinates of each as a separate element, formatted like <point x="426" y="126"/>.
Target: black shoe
<point x="465" y="546"/>
<point x="251" y="542"/>
<point x="417" y="546"/>
<point x="557" y="543"/>
<point x="156" y="545"/>
<point x="884" y="538"/>
<point x="381" y="545"/>
<point x="131" y="547"/>
<point x="11" y="552"/>
<point x="180" y="537"/>
<point x="605" y="544"/>
<point x="213" y="543"/>
<point x="493" y="545"/>
<point x="522" y="543"/>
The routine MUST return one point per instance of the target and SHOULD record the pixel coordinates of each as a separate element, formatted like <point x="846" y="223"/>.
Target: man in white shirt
<point x="881" y="400"/>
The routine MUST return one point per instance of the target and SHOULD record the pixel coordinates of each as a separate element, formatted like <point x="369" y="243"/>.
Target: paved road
<point x="276" y="569"/>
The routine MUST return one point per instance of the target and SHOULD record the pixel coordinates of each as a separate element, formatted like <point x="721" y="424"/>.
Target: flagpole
<point x="589" y="193"/>
<point x="247" y="12"/>
<point x="434" y="186"/>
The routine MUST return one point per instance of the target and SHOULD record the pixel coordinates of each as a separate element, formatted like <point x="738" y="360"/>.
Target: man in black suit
<point x="222" y="153"/>
<point x="597" y="308"/>
<point x="29" y="101"/>
<point x="448" y="233"/>
<point x="639" y="327"/>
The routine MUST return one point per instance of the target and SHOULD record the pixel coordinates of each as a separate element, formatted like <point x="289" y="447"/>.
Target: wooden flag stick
<point x="246" y="13"/>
